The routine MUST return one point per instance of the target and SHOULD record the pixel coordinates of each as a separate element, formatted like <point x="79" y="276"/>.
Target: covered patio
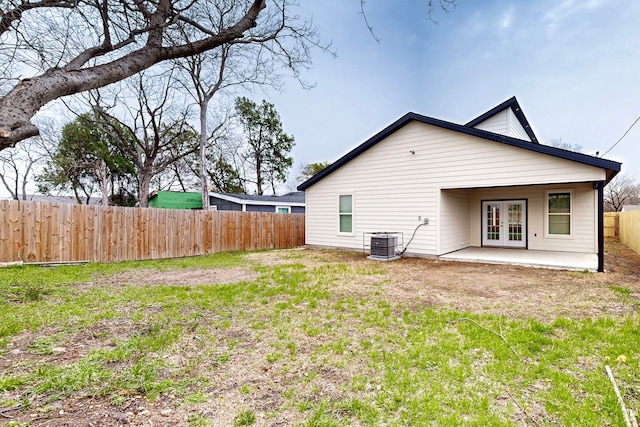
<point x="530" y="258"/>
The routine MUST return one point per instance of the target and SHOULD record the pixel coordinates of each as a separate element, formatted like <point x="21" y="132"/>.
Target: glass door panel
<point x="492" y="223"/>
<point x="504" y="223"/>
<point x="515" y="224"/>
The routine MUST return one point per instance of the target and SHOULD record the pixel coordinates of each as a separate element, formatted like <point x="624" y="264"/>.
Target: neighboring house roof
<point x="612" y="168"/>
<point x="517" y="110"/>
<point x="55" y="199"/>
<point x="295" y="198"/>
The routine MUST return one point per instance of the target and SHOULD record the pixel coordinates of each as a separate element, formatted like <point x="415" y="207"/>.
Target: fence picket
<point x="5" y="234"/>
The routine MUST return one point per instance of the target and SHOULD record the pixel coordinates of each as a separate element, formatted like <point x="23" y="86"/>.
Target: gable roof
<point x="612" y="168"/>
<point x="517" y="110"/>
<point x="294" y="198"/>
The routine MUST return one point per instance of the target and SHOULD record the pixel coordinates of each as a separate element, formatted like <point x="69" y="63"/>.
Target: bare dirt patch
<point x="52" y="346"/>
<point x="184" y="277"/>
<point x="513" y="291"/>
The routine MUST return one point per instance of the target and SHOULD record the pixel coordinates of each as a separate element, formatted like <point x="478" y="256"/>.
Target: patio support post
<point x="600" y="186"/>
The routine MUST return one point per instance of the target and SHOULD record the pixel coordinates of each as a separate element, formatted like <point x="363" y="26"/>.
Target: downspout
<point x="600" y="186"/>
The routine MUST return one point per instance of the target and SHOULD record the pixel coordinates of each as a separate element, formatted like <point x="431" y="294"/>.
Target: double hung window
<point x="345" y="213"/>
<point x="559" y="213"/>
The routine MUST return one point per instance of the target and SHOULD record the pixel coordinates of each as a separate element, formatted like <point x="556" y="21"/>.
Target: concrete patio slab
<point x="529" y="258"/>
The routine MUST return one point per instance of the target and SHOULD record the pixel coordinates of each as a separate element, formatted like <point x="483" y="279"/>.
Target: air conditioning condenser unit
<point x="383" y="247"/>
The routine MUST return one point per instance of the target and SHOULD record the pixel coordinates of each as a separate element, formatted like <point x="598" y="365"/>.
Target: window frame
<point x="288" y="208"/>
<point x="548" y="214"/>
<point x="340" y="214"/>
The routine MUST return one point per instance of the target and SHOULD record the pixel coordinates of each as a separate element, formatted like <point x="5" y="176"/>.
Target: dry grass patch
<point x="183" y="277"/>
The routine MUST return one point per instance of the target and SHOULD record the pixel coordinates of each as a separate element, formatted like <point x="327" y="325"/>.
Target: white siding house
<point x="486" y="183"/>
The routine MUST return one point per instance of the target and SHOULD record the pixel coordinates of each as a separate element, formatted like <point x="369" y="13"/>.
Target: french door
<point x="504" y="223"/>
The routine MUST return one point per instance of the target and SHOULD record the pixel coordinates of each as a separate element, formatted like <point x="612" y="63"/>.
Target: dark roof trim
<point x="612" y="167"/>
<point x="517" y="110"/>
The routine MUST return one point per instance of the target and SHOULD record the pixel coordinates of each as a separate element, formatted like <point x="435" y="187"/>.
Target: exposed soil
<point x="183" y="277"/>
<point x="413" y="284"/>
<point x="513" y="291"/>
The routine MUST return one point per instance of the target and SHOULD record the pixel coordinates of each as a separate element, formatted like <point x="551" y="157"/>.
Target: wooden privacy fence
<point x="611" y="225"/>
<point x="630" y="229"/>
<point x="60" y="232"/>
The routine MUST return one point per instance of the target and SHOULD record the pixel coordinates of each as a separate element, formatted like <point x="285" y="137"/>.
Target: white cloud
<point x="592" y="4"/>
<point x="507" y="19"/>
<point x="568" y="8"/>
<point x="559" y="12"/>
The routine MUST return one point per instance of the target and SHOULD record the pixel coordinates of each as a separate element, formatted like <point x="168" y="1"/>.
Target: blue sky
<point x="573" y="65"/>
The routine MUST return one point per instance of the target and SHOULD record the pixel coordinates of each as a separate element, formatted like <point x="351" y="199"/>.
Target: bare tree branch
<point x="366" y="22"/>
<point x="622" y="190"/>
<point x="11" y="16"/>
<point x="447" y="6"/>
<point x="19" y="105"/>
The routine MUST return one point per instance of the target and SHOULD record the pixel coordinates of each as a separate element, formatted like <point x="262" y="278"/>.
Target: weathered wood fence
<point x="60" y="232"/>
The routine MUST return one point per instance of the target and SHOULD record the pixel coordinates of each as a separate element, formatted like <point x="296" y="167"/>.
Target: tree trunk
<point x="104" y="181"/>
<point x="24" y="187"/>
<point x="203" y="154"/>
<point x="258" y="175"/>
<point x="143" y="189"/>
<point x="78" y="198"/>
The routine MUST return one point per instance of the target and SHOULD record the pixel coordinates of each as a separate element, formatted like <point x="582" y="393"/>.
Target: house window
<point x="281" y="209"/>
<point x="559" y="213"/>
<point x="345" y="213"/>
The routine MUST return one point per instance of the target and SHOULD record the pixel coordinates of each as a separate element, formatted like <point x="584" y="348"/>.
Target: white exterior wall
<point x="504" y="123"/>
<point x="455" y="220"/>
<point x="393" y="188"/>
<point x="583" y="222"/>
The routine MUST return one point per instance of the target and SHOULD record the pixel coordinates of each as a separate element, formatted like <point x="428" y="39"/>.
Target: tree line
<point x="98" y="153"/>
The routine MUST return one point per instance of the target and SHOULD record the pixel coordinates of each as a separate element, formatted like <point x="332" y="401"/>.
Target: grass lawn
<point x="317" y="338"/>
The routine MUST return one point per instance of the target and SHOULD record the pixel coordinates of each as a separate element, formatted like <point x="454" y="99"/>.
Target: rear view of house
<point x="488" y="183"/>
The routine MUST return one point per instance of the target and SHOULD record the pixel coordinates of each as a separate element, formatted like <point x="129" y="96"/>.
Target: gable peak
<point x="506" y="118"/>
